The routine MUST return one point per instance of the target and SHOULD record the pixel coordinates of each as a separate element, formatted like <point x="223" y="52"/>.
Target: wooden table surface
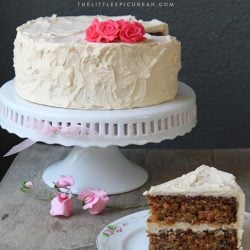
<point x="26" y="224"/>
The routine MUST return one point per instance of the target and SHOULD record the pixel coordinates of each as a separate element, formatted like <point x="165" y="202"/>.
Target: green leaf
<point x="111" y="227"/>
<point x="105" y="235"/>
<point x="50" y="197"/>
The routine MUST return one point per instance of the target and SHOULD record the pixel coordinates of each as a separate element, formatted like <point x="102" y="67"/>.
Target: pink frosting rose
<point x="95" y="200"/>
<point x="115" y="31"/>
<point x="132" y="32"/>
<point x="121" y="22"/>
<point x="91" y="33"/>
<point x="65" y="181"/>
<point x="108" y="30"/>
<point x="62" y="205"/>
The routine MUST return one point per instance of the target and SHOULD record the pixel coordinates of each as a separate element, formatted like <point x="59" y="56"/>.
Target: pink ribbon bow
<point x="47" y="130"/>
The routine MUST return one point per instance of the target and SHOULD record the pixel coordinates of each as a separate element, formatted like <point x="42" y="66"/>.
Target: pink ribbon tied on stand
<point x="48" y="130"/>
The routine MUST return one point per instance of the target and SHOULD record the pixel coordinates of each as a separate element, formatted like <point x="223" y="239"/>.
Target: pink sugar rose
<point x="65" y="181"/>
<point x="95" y="200"/>
<point x="121" y="23"/>
<point x="115" y="31"/>
<point x="91" y="33"/>
<point x="132" y="32"/>
<point x="108" y="30"/>
<point x="29" y="184"/>
<point x="62" y="205"/>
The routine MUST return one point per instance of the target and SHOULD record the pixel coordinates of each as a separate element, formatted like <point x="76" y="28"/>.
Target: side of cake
<point x="203" y="209"/>
<point x="56" y="66"/>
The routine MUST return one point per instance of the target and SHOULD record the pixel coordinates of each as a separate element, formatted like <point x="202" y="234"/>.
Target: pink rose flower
<point x="64" y="181"/>
<point x="95" y="200"/>
<point x="115" y="31"/>
<point x="108" y="30"/>
<point x="91" y="33"/>
<point x="62" y="205"/>
<point x="132" y="32"/>
<point x="121" y="23"/>
<point x="29" y="184"/>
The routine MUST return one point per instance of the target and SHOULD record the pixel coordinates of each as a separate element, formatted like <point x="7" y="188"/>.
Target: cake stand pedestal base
<point x="95" y="167"/>
<point x="94" y="162"/>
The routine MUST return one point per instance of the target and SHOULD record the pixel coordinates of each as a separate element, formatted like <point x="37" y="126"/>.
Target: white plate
<point x="128" y="233"/>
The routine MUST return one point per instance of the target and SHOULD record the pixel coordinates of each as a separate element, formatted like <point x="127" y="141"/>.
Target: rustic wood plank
<point x="26" y="224"/>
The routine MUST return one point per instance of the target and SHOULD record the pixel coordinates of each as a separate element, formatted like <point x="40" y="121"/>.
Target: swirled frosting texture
<point x="204" y="180"/>
<point x="55" y="66"/>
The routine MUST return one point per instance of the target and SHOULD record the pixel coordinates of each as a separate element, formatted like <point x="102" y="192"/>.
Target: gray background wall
<point x="215" y="38"/>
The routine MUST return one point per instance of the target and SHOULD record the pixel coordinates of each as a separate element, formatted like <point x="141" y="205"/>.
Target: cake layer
<point x="189" y="240"/>
<point x="193" y="210"/>
<point x="204" y="181"/>
<point x="203" y="209"/>
<point x="56" y="66"/>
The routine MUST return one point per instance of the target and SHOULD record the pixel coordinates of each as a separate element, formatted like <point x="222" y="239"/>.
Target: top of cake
<point x="70" y="29"/>
<point x="205" y="180"/>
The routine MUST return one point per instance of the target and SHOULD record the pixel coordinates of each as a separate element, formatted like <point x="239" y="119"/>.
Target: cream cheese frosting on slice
<point x="204" y="180"/>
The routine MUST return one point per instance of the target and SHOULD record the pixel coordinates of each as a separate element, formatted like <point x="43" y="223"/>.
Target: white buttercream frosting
<point x="56" y="66"/>
<point x="155" y="26"/>
<point x="154" y="228"/>
<point x="71" y="28"/>
<point x="203" y="181"/>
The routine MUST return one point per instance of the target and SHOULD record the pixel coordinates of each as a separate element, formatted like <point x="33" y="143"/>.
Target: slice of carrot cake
<point x="201" y="210"/>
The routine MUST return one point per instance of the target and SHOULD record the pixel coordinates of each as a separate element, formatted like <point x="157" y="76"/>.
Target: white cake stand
<point x="95" y="161"/>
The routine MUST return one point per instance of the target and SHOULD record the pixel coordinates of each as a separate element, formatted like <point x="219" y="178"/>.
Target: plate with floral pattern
<point x="128" y="233"/>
